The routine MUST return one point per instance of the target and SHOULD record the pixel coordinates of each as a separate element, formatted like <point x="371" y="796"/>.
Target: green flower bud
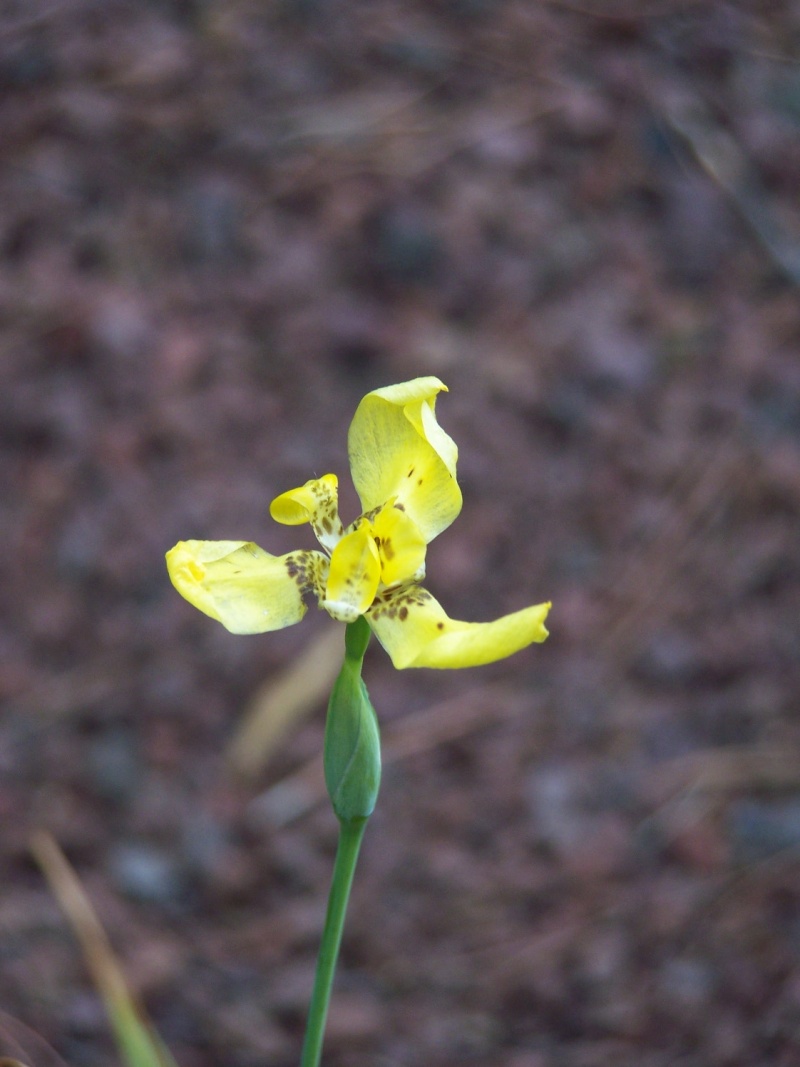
<point x="352" y="755"/>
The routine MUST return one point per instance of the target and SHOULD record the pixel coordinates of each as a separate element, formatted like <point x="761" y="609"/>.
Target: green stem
<point x="350" y="835"/>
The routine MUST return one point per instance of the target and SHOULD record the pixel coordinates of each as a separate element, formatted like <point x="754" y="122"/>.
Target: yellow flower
<point x="404" y="469"/>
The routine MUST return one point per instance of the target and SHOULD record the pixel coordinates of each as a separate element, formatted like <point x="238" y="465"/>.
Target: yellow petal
<point x="413" y="628"/>
<point x="400" y="545"/>
<point x="316" y="502"/>
<point x="398" y="449"/>
<point x="242" y="586"/>
<point x="354" y="575"/>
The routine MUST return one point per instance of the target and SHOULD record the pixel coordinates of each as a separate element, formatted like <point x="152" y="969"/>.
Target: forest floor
<point x="221" y="224"/>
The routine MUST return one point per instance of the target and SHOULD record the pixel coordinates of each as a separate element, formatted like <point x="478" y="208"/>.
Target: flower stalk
<point x="350" y="836"/>
<point x="352" y="761"/>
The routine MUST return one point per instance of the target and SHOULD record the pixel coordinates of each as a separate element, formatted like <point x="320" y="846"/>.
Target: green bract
<point x="352" y="754"/>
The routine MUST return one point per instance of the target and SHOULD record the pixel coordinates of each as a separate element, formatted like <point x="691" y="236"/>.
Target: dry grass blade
<point x="722" y="158"/>
<point x="642" y="585"/>
<point x="22" y="1047"/>
<point x="137" y="1041"/>
<point x="350" y="118"/>
<point x="74" y="691"/>
<point x="729" y="770"/>
<point x="283" y="702"/>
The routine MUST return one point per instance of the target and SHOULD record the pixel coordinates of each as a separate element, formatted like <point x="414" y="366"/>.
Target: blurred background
<point x="222" y="223"/>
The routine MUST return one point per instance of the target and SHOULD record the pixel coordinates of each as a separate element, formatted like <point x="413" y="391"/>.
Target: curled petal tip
<point x="416" y="632"/>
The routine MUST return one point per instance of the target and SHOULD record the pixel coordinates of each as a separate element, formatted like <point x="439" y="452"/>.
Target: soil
<point x="220" y="225"/>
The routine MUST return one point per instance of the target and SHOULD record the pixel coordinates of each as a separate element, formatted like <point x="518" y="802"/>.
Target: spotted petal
<point x="242" y="586"/>
<point x="401" y="546"/>
<point x="398" y="449"/>
<point x="354" y="575"/>
<point x="416" y="632"/>
<point x="316" y="502"/>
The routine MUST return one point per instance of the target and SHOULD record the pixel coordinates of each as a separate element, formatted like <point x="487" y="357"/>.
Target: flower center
<point x="380" y="550"/>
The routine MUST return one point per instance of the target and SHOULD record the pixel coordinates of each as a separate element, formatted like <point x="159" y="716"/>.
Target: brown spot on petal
<point x="304" y="570"/>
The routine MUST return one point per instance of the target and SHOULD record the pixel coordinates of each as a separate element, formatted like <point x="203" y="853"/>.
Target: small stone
<point x="214" y="223"/>
<point x="699" y="844"/>
<point x="85" y="1014"/>
<point x="529" y="1059"/>
<point x="592" y="843"/>
<point x="553" y="796"/>
<point x="120" y="326"/>
<point x="696" y="228"/>
<point x="28" y="64"/>
<point x="784" y="93"/>
<point x="669" y="659"/>
<point x="353" y="1018"/>
<point x="146" y="873"/>
<point x="406" y="247"/>
<point x="114" y="765"/>
<point x="204" y="842"/>
<point x="423" y="52"/>
<point x="290" y="996"/>
<point x="687" y="982"/>
<point x="79" y="546"/>
<point x="760" y="829"/>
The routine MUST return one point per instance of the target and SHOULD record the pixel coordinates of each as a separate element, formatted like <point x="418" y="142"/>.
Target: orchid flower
<point x="403" y="466"/>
